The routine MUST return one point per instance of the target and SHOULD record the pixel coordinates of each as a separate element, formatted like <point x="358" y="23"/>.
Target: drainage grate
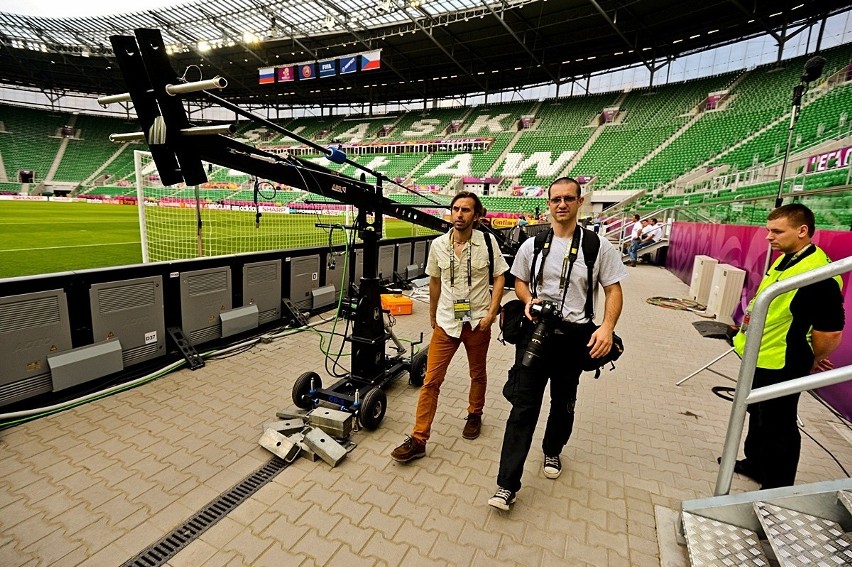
<point x="160" y="552"/>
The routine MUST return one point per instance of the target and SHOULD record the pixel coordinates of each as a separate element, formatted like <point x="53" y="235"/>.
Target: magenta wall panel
<point x="745" y="247"/>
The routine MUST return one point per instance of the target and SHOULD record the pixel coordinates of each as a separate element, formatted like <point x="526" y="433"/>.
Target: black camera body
<point x="548" y="314"/>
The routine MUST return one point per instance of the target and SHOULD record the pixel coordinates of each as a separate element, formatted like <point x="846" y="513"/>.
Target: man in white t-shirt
<point x="635" y="232"/>
<point x="651" y="233"/>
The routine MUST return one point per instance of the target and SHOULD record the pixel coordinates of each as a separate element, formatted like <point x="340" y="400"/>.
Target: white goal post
<point x="219" y="217"/>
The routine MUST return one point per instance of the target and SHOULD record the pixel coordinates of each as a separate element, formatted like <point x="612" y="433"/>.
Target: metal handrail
<point x="744" y="395"/>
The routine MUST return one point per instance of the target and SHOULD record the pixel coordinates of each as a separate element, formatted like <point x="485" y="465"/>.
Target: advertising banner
<point x="286" y="74"/>
<point x="307" y="71"/>
<point x="348" y="65"/>
<point x="835" y="159"/>
<point x="328" y="68"/>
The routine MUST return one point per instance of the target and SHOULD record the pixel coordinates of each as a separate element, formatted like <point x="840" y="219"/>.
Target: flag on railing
<point x="286" y="74"/>
<point x="266" y="75"/>
<point x="307" y="71"/>
<point x="328" y="68"/>
<point x="371" y="60"/>
<point x="348" y="65"/>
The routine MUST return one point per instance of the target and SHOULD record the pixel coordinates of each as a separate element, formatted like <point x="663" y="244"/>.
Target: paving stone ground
<point x="96" y="484"/>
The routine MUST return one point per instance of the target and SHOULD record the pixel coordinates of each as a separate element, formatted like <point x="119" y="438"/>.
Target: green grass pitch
<point x="47" y="237"/>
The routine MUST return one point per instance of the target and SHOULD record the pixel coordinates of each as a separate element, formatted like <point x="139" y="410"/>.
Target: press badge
<point x="461" y="310"/>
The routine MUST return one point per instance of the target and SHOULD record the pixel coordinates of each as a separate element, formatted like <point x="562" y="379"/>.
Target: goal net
<point x="220" y="217"/>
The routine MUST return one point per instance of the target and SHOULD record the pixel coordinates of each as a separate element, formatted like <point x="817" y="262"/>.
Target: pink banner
<point x="745" y="247"/>
<point x="834" y="159"/>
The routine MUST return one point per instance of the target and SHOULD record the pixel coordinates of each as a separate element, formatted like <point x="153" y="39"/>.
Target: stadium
<point x="196" y="198"/>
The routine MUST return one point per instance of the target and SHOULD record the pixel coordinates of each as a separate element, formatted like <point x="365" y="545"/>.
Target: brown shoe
<point x="472" y="427"/>
<point x="410" y="449"/>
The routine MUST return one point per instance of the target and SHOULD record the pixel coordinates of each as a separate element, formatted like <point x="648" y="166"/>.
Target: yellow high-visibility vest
<point x="779" y="318"/>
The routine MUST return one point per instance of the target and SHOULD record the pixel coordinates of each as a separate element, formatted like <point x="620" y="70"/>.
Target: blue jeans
<point x="636" y="247"/>
<point x="525" y="391"/>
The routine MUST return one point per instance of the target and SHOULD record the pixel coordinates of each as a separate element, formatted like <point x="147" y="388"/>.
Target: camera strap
<point x="568" y="265"/>
<point x="541" y="247"/>
<point x="591" y="246"/>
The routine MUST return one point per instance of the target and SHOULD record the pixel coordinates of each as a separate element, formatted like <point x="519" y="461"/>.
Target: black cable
<point x="675" y="303"/>
<point x="824" y="448"/>
<point x="721" y="392"/>
<point x="724" y="392"/>
<point x="346" y="328"/>
<point x="836" y="413"/>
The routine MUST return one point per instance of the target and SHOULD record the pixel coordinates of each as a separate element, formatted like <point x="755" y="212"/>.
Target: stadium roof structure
<point x="429" y="48"/>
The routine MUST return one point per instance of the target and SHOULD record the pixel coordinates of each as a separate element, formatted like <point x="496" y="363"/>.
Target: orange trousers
<point x="442" y="347"/>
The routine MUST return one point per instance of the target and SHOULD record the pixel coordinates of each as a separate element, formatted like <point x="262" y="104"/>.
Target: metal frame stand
<point x="707" y="367"/>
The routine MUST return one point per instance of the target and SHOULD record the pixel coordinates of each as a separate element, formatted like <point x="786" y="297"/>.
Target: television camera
<point x="178" y="148"/>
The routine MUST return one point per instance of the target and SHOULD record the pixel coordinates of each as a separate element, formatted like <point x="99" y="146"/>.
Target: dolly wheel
<point x="417" y="372"/>
<point x="302" y="388"/>
<point x="373" y="409"/>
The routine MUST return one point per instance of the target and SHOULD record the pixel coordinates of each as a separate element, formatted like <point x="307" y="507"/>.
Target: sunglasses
<point x="567" y="199"/>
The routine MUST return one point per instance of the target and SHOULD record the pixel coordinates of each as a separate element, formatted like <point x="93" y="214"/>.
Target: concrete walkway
<point x="96" y="484"/>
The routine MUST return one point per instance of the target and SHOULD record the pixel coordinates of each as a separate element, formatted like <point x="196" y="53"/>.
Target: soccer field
<point x="47" y="237"/>
<point x="44" y="237"/>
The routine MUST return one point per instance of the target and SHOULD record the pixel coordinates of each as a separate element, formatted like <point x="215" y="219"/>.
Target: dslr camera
<point x="548" y="314"/>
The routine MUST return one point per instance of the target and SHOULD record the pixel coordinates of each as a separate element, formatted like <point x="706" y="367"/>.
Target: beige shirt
<point x="453" y="271"/>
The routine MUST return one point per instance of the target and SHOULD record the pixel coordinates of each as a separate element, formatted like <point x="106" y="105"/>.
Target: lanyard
<point x="453" y="263"/>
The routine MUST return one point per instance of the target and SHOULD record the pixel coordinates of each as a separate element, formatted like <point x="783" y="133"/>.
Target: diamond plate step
<point x="801" y="539"/>
<point x="845" y="498"/>
<point x="717" y="544"/>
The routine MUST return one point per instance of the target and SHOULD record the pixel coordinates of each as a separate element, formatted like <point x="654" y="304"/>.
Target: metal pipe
<point x="226" y="129"/>
<point x="111" y="99"/>
<point x="126" y="137"/>
<point x="757" y="323"/>
<point x="810" y="382"/>
<point x="216" y="82"/>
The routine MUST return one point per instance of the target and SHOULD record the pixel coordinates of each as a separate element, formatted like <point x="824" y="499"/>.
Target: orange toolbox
<point x="397" y="304"/>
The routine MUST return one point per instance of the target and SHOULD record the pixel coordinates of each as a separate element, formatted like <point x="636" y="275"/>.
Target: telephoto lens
<point x="547" y="314"/>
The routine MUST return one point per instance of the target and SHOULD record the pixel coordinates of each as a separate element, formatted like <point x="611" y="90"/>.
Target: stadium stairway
<point x="502" y="157"/>
<point x="662" y="243"/>
<point x="582" y="151"/>
<point x="60" y="152"/>
<point x="810" y="99"/>
<point x="686" y="126"/>
<point x="413" y="173"/>
<point x="97" y="172"/>
<point x="797" y="525"/>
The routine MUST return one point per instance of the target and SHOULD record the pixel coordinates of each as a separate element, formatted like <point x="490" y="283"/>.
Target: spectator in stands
<point x="596" y="223"/>
<point x="803" y="327"/>
<point x="651" y="234"/>
<point x="461" y="311"/>
<point x="635" y="231"/>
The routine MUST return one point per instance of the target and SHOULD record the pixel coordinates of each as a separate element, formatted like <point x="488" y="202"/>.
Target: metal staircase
<point x="791" y="526"/>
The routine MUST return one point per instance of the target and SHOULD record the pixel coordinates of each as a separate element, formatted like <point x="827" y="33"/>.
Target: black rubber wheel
<point x="302" y="387"/>
<point x="373" y="409"/>
<point x="417" y="372"/>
